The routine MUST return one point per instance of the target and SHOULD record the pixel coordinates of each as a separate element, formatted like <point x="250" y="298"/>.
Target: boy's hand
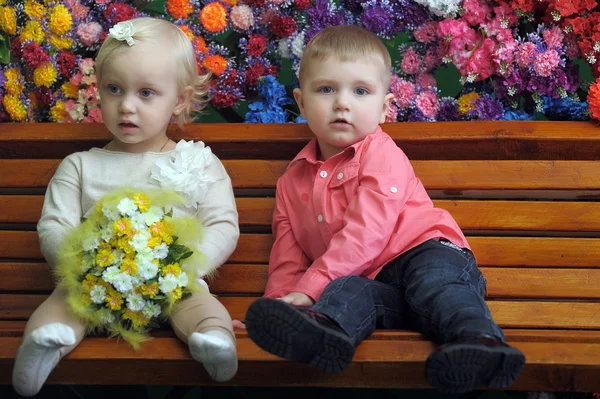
<point x="238" y="324"/>
<point x="297" y="299"/>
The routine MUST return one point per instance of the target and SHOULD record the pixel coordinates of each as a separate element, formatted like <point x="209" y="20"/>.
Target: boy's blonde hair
<point x="155" y="30"/>
<point x="346" y="43"/>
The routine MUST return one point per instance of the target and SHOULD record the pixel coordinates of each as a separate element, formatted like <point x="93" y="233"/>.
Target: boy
<point x="358" y="242"/>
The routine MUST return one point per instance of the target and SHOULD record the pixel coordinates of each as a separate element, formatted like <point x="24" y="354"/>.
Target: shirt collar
<point x="309" y="152"/>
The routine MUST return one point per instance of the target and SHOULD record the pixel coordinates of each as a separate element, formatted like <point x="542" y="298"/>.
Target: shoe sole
<point x="462" y="368"/>
<point x="278" y="328"/>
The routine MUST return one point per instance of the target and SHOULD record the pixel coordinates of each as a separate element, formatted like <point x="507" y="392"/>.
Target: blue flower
<point x="517" y="115"/>
<point x="566" y="109"/>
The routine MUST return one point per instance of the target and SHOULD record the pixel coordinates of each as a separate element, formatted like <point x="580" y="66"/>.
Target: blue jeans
<point x="435" y="288"/>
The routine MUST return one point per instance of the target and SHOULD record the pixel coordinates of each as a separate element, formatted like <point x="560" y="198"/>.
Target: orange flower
<point x="216" y="64"/>
<point x="188" y="32"/>
<point x="214" y="17"/>
<point x="594" y="99"/>
<point x="230" y="3"/>
<point x="179" y="8"/>
<point x="200" y="45"/>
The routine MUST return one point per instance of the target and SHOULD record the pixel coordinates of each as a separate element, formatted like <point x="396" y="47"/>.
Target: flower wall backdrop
<point x="524" y="59"/>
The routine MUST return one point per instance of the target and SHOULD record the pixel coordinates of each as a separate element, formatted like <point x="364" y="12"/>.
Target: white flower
<point x="106" y="316"/>
<point x="88" y="262"/>
<point x="151" y="310"/>
<point x="118" y="256"/>
<point x="98" y="294"/>
<point x="161" y="251"/>
<point x="135" y="302"/>
<point x="111" y="213"/>
<point x="185" y="171"/>
<point x="123" y="31"/>
<point x="90" y="243"/>
<point x="147" y="270"/>
<point x="167" y="283"/>
<point x="284" y="50"/>
<point x="446" y="8"/>
<point x="139" y="242"/>
<point x="138" y="221"/>
<point x="127" y="206"/>
<point x="110" y="274"/>
<point x="182" y="279"/>
<point x="123" y="282"/>
<point x="144" y="256"/>
<point x="298" y="45"/>
<point x="154" y="214"/>
<point x="107" y="233"/>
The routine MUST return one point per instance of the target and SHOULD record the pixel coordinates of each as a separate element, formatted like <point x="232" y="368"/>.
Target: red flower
<point x="282" y="26"/>
<point x="302" y="4"/>
<point x="15" y="48"/>
<point x="118" y="12"/>
<point x="231" y="79"/>
<point x="255" y="3"/>
<point x="66" y="63"/>
<point x="34" y="56"/>
<point x="253" y="72"/>
<point x="45" y="96"/>
<point x="256" y="45"/>
<point x="224" y="100"/>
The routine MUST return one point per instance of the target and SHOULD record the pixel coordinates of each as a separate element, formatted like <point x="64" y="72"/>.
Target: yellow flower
<point x="90" y="281"/>
<point x="32" y="31"/>
<point x="113" y="300"/>
<point x="129" y="266"/>
<point x="142" y="201"/>
<point x="60" y="43"/>
<point x="72" y="91"/>
<point x="104" y="258"/>
<point x="60" y="20"/>
<point x="137" y="318"/>
<point x="33" y="9"/>
<point x="123" y="227"/>
<point x="14" y="81"/>
<point x="8" y="20"/>
<point x="123" y="245"/>
<point x="45" y="75"/>
<point x="154" y="242"/>
<point x="149" y="290"/>
<point x="173" y="269"/>
<point x="176" y="294"/>
<point x="58" y="113"/>
<point x="466" y="102"/>
<point x="15" y="107"/>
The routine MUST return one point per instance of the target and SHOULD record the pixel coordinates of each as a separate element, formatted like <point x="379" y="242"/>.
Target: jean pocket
<point x="465" y="253"/>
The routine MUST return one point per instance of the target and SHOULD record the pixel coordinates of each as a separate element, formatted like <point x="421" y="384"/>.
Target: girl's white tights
<point x="216" y="351"/>
<point x="39" y="353"/>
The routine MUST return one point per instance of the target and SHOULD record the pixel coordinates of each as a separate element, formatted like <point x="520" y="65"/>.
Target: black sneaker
<point x="299" y="334"/>
<point x="463" y="365"/>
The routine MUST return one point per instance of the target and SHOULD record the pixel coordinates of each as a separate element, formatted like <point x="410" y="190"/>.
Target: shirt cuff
<point x="312" y="284"/>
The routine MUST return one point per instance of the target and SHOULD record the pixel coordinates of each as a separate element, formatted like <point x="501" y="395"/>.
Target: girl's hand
<point x="297" y="299"/>
<point x="238" y="324"/>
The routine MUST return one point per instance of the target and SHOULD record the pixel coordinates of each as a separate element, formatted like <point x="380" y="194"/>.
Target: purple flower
<point x="448" y="110"/>
<point x="488" y="108"/>
<point x="376" y="18"/>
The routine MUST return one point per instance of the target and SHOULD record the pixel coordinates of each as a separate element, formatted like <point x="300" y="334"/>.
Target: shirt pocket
<point x="344" y="174"/>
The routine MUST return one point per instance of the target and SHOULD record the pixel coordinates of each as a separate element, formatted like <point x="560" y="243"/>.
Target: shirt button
<point x="393" y="189"/>
<point x="323" y="174"/>
<point x="320" y="218"/>
<point x="340" y="176"/>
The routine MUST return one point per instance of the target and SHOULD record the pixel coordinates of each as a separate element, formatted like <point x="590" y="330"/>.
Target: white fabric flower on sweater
<point x="185" y="171"/>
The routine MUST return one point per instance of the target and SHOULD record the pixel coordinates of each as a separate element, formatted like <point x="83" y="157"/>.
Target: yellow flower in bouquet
<point x="130" y="262"/>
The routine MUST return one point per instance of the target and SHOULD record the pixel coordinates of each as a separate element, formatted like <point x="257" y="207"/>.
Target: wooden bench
<point x="524" y="192"/>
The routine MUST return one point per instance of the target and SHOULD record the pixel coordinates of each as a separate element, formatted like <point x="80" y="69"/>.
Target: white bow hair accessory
<point x="124" y="30"/>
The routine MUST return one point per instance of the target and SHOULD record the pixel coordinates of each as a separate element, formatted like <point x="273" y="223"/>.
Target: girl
<point x="147" y="76"/>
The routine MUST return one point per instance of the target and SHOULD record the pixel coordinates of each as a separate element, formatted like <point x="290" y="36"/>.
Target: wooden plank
<point x="556" y="216"/>
<point x="550" y="283"/>
<point x="442" y="140"/>
<point x="453" y="176"/>
<point x="508" y="314"/>
<point x="489" y="251"/>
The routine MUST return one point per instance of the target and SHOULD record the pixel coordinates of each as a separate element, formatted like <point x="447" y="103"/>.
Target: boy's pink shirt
<point x="349" y="215"/>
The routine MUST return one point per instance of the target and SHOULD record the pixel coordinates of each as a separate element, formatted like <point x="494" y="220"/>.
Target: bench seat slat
<point x="560" y="216"/>
<point x="435" y="174"/>
<point x="551" y="283"/>
<point x="490" y="251"/>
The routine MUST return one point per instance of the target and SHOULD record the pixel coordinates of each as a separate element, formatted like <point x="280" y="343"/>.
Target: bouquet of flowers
<point x="130" y="262"/>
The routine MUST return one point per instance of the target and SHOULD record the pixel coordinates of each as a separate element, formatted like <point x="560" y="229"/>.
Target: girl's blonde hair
<point x="346" y="43"/>
<point x="156" y="30"/>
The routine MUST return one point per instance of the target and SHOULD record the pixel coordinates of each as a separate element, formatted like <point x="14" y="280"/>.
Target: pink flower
<point x="77" y="10"/>
<point x="426" y="80"/>
<point x="525" y="54"/>
<point x="426" y="32"/>
<point x="86" y="65"/>
<point x="92" y="93"/>
<point x="89" y="33"/>
<point x="89" y="80"/>
<point x="546" y="62"/>
<point x="278" y="2"/>
<point x="553" y="37"/>
<point x="411" y="62"/>
<point x="267" y="15"/>
<point x="103" y="1"/>
<point x="505" y="51"/>
<point x="392" y="113"/>
<point x="432" y="59"/>
<point x="95" y="114"/>
<point x="427" y="103"/>
<point x="475" y="12"/>
<point x="242" y="17"/>
<point x="76" y="79"/>
<point x="452" y="28"/>
<point x="403" y="91"/>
